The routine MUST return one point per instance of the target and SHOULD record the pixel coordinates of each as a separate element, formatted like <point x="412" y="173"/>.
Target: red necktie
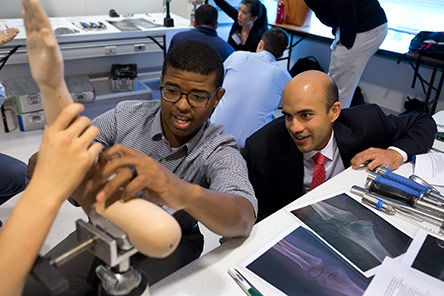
<point x="319" y="171"/>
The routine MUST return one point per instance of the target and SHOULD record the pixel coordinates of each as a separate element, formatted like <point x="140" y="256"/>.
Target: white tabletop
<point x="208" y="275"/>
<point x="109" y="33"/>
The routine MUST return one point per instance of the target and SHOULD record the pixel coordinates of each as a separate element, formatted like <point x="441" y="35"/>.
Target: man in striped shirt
<point x="166" y="151"/>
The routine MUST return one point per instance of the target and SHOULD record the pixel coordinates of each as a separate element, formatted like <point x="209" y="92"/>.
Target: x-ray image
<point x="301" y="264"/>
<point x="430" y="258"/>
<point x="354" y="231"/>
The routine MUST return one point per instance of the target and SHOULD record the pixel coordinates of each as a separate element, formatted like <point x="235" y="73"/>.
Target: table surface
<point x="395" y="44"/>
<point x="208" y="275"/>
<point x="109" y="33"/>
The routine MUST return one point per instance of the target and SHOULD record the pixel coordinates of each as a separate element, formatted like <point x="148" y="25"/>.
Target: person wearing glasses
<point x="183" y="163"/>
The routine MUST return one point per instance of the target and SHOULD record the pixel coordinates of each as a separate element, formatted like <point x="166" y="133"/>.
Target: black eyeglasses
<point x="173" y="95"/>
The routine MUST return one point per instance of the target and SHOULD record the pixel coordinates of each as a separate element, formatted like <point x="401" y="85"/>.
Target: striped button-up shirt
<point x="210" y="159"/>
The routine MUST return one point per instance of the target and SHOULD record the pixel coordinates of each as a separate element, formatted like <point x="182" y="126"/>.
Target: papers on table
<point x="439" y="140"/>
<point x="342" y="248"/>
<point x="351" y="229"/>
<point x="430" y="167"/>
<point x="420" y="273"/>
<point x="299" y="263"/>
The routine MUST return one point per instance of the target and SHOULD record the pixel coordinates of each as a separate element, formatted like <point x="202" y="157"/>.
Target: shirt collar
<point x="328" y="150"/>
<point x="157" y="132"/>
<point x="266" y="56"/>
<point x="206" y="30"/>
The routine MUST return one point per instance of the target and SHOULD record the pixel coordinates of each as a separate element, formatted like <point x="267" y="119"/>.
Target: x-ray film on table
<point x="302" y="264"/>
<point x="428" y="256"/>
<point x="354" y="231"/>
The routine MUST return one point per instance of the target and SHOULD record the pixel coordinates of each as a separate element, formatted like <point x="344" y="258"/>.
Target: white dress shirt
<point x="333" y="161"/>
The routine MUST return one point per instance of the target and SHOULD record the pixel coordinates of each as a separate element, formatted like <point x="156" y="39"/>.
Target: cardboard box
<point x="296" y="13"/>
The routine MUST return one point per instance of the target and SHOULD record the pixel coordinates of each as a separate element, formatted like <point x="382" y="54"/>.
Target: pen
<point x="248" y="288"/>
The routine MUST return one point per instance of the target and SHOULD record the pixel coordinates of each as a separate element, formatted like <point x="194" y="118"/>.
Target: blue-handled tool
<point x="388" y="174"/>
<point x="381" y="180"/>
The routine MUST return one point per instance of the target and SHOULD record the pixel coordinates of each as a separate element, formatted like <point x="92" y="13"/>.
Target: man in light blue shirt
<point x="254" y="83"/>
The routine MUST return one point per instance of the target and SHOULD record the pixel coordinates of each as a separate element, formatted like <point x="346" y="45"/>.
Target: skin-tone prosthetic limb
<point x="7" y="35"/>
<point x="65" y="156"/>
<point x="151" y="230"/>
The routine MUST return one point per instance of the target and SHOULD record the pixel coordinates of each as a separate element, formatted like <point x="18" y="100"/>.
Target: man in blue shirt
<point x="205" y="23"/>
<point x="12" y="171"/>
<point x="254" y="83"/>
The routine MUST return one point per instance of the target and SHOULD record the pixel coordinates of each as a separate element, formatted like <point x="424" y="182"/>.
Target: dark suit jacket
<point x="275" y="164"/>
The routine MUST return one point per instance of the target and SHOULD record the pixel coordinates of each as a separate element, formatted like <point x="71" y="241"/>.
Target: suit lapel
<point x="346" y="143"/>
<point x="292" y="168"/>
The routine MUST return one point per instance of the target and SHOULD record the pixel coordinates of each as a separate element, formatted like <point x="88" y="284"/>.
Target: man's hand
<point x="375" y="157"/>
<point x="156" y="181"/>
<point x="7" y="35"/>
<point x="45" y="58"/>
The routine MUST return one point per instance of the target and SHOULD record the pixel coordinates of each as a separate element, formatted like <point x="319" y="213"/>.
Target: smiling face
<point x="307" y="116"/>
<point x="244" y="16"/>
<point x="180" y="121"/>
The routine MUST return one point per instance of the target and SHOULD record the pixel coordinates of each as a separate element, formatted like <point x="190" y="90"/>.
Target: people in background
<point x="250" y="22"/>
<point x="360" y="27"/>
<point x="315" y="140"/>
<point x="205" y="25"/>
<point x="254" y="83"/>
<point x="183" y="163"/>
<point x="12" y="171"/>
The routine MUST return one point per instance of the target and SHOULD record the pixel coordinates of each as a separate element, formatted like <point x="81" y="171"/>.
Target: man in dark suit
<point x="279" y="156"/>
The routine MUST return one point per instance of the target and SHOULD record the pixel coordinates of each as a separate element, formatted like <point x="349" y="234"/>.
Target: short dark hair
<point x="275" y="41"/>
<point x="331" y="93"/>
<point x="195" y="56"/>
<point x="206" y="15"/>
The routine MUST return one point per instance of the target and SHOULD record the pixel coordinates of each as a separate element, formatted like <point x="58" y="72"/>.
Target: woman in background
<point x="250" y="22"/>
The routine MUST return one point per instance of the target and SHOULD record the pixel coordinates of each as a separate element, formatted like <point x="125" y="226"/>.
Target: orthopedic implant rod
<point x="413" y="182"/>
<point x="391" y="208"/>
<point x="404" y="193"/>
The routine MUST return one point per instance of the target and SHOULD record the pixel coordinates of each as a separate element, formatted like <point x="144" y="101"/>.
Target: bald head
<point x="309" y="107"/>
<point x="313" y="84"/>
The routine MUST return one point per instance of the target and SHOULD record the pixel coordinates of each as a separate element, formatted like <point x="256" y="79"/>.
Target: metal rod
<point x="58" y="261"/>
